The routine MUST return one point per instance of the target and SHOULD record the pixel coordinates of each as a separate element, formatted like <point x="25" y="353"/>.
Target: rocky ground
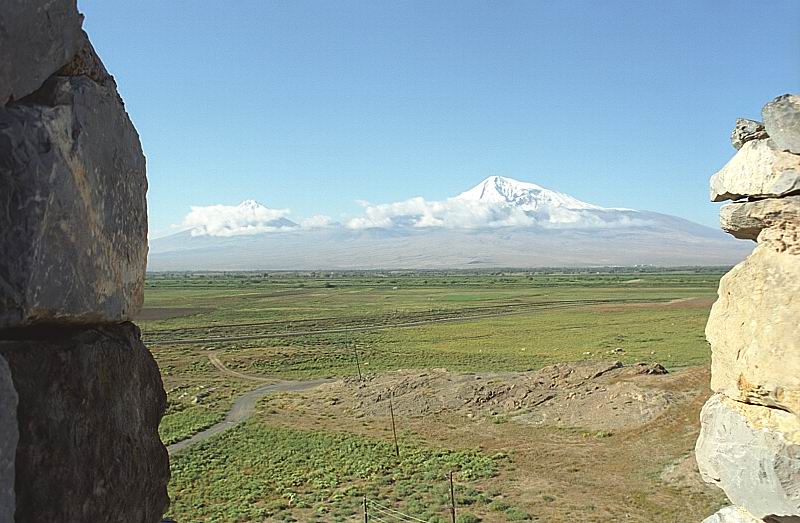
<point x="595" y="396"/>
<point x="592" y="441"/>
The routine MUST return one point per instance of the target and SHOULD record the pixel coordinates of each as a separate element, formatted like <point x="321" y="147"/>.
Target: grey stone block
<point x="8" y="442"/>
<point x="73" y="215"/>
<point x="37" y="37"/>
<point x="90" y="401"/>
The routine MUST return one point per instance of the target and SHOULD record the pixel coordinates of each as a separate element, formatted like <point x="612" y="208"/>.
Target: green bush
<point x="516" y="514"/>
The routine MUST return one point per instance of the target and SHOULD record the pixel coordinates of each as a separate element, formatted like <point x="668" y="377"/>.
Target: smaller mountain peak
<point x="252" y="204"/>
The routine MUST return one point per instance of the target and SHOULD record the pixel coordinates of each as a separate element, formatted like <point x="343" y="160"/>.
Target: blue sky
<point x="313" y="105"/>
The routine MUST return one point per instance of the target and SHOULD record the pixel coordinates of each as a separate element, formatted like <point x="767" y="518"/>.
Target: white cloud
<point x="456" y="213"/>
<point x="249" y="217"/>
<point x="318" y="221"/>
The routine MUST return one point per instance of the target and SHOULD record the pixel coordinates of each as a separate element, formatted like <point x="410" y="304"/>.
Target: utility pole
<point x="452" y="499"/>
<point x="355" y="351"/>
<point x="394" y="430"/>
<point x="366" y="514"/>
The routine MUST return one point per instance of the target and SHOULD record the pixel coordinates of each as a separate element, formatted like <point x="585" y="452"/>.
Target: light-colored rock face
<point x="73" y="219"/>
<point x="746" y="220"/>
<point x="753" y="454"/>
<point x="36" y="38"/>
<point x="90" y="401"/>
<point x="8" y="442"/>
<point x="747" y="130"/>
<point x="754" y="330"/>
<point x="731" y="515"/>
<point x="757" y="170"/>
<point x="782" y="121"/>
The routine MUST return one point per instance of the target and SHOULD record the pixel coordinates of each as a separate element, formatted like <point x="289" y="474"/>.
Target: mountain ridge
<point x="508" y="224"/>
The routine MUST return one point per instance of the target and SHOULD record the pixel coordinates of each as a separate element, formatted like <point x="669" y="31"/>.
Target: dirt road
<point x="243" y="407"/>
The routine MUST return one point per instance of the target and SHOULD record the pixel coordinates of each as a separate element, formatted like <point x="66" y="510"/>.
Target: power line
<point x="401" y="517"/>
<point x="384" y="508"/>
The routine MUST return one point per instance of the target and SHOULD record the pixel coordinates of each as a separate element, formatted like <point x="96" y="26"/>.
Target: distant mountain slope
<point x="524" y="225"/>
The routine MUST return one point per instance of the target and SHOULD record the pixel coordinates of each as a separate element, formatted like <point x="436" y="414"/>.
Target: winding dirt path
<point x="243" y="407"/>
<point x="215" y="361"/>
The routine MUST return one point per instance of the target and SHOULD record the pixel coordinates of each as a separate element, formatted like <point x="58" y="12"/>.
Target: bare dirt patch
<point x="165" y="313"/>
<point x="596" y="396"/>
<point x="678" y="303"/>
<point x="597" y="463"/>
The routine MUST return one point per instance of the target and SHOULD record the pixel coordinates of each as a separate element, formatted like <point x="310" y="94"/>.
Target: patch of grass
<point x="185" y="423"/>
<point x="516" y="514"/>
<point x="255" y="471"/>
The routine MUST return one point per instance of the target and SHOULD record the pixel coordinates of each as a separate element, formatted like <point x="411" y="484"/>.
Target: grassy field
<point x="297" y="326"/>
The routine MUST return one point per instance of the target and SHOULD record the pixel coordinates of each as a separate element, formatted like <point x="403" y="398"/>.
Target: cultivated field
<point x="509" y="380"/>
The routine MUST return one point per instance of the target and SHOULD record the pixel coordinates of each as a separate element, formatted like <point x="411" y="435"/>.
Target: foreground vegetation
<point x="299" y="326"/>
<point x="284" y="474"/>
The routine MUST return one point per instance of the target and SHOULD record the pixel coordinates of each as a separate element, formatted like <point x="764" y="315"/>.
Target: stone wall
<point x="80" y="396"/>
<point x="749" y="443"/>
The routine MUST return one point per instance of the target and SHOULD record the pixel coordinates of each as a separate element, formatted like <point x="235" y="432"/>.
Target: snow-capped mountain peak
<point x="523" y="195"/>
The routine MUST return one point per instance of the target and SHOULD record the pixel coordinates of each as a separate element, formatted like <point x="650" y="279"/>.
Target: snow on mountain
<point x="500" y="222"/>
<point x="496" y="202"/>
<point x="523" y="195"/>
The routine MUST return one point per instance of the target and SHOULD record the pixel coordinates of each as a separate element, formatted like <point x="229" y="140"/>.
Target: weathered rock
<point x="8" y="442"/>
<point x="753" y="454"/>
<point x="747" y="130"/>
<point x="746" y="220"/>
<point x="85" y="62"/>
<point x="757" y="170"/>
<point x="753" y="327"/>
<point x="782" y="121"/>
<point x="731" y="515"/>
<point x="73" y="217"/>
<point x="36" y="38"/>
<point x="90" y="401"/>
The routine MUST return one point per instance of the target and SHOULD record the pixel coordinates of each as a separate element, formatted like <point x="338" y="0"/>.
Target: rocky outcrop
<point x="80" y="396"/>
<point x="731" y="515"/>
<point x="753" y="453"/>
<point x="76" y="178"/>
<point x="94" y="429"/>
<point x="782" y="122"/>
<point x="747" y="130"/>
<point x="745" y="220"/>
<point x="38" y="37"/>
<point x="8" y="442"/>
<point x="758" y="170"/>
<point x="749" y="442"/>
<point x="754" y="331"/>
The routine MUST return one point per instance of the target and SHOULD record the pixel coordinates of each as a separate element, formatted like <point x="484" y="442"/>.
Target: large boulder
<point x="745" y="131"/>
<point x="73" y="217"/>
<point x="731" y="515"/>
<point x="753" y="327"/>
<point x="37" y="37"/>
<point x="757" y="170"/>
<point x="8" y="442"/>
<point x="90" y="401"/>
<point x="782" y="122"/>
<point x="753" y="454"/>
<point x="746" y="220"/>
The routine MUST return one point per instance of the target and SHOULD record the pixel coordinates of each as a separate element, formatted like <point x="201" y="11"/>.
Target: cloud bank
<point x="550" y="211"/>
<point x="249" y="217"/>
<point x="455" y="213"/>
